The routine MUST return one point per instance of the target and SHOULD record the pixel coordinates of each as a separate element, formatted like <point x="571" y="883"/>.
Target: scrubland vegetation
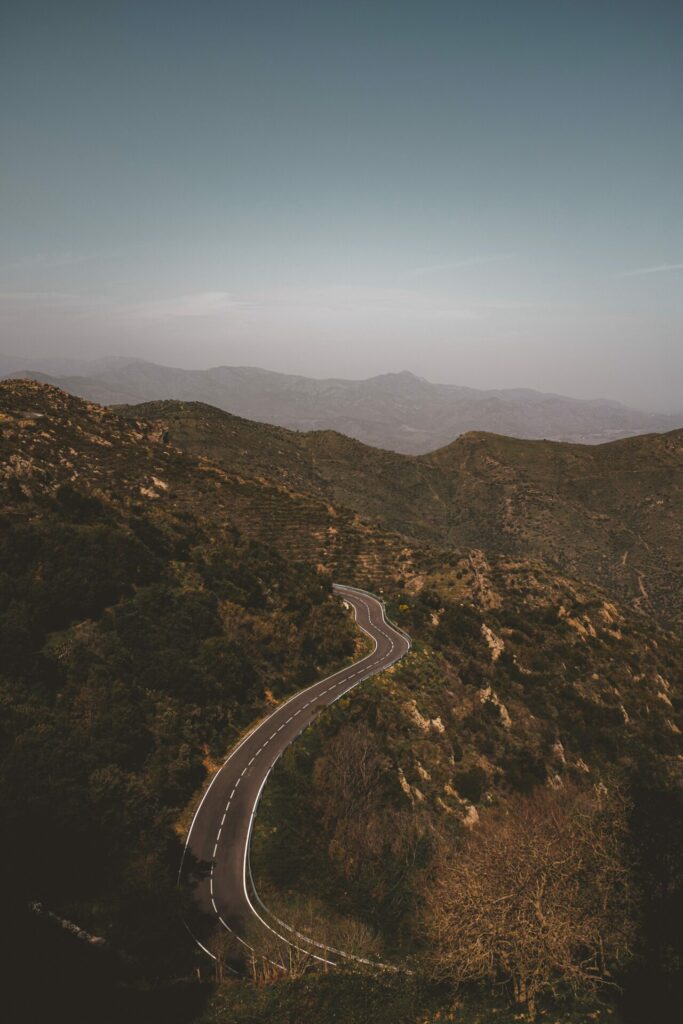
<point x="497" y="818"/>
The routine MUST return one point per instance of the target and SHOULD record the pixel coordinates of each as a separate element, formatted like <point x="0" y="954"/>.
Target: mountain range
<point x="397" y="411"/>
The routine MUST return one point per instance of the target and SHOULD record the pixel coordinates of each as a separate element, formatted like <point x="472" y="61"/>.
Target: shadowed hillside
<point x="610" y="513"/>
<point x="164" y="577"/>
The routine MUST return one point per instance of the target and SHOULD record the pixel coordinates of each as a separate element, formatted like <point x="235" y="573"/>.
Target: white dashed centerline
<point x="342" y="686"/>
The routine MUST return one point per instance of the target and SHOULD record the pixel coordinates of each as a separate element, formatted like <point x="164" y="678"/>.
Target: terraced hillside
<point x="609" y="513"/>
<point x="519" y="678"/>
<point x="53" y="438"/>
<point x="143" y="626"/>
<point x="164" y="577"/>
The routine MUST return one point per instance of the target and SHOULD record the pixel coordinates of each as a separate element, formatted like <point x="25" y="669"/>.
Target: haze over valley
<point x="398" y="411"/>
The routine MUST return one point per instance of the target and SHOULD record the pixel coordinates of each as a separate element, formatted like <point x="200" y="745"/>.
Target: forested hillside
<point x="165" y="577"/>
<point x="611" y="513"/>
<point x="142" y="631"/>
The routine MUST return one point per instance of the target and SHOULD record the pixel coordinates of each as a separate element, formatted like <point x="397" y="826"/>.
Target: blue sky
<point x="484" y="193"/>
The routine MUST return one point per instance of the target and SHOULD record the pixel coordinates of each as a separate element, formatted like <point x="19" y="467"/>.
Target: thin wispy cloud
<point x="281" y="305"/>
<point x="12" y="301"/>
<point x="659" y="268"/>
<point x="196" y="304"/>
<point x="473" y="261"/>
<point x="56" y="260"/>
<point x="339" y="304"/>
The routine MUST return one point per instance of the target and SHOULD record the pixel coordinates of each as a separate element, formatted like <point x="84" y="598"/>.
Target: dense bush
<point x="128" y="656"/>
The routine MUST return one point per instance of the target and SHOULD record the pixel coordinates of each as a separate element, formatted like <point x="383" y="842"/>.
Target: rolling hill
<point x="164" y="577"/>
<point x="610" y="513"/>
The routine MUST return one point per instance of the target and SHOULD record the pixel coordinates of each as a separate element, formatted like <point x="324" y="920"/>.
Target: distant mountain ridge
<point x="397" y="411"/>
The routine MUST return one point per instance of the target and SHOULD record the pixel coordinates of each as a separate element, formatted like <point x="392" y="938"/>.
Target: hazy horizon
<point x="485" y="194"/>
<point x="64" y="366"/>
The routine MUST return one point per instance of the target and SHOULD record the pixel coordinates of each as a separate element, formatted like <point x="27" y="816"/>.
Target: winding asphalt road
<point x="220" y="832"/>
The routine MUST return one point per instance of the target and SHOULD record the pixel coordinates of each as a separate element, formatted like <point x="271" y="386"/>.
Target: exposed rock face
<point x="424" y="724"/>
<point x="488" y="696"/>
<point x="496" y="645"/>
<point x="471" y="817"/>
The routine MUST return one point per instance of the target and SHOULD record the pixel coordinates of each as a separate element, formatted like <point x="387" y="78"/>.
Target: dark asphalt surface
<point x="221" y="829"/>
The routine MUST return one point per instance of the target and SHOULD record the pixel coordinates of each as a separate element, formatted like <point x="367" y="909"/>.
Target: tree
<point x="372" y="837"/>
<point x="538" y="899"/>
<point x="310" y="938"/>
<point x="273" y="959"/>
<point x="228" y="955"/>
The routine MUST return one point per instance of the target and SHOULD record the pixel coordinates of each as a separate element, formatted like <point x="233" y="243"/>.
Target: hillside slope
<point x="142" y="630"/>
<point x="164" y="576"/>
<point x="155" y="473"/>
<point x="608" y="513"/>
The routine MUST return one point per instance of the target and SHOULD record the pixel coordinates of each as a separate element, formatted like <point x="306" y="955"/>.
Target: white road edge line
<point x="320" y="945"/>
<point x="365" y="671"/>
